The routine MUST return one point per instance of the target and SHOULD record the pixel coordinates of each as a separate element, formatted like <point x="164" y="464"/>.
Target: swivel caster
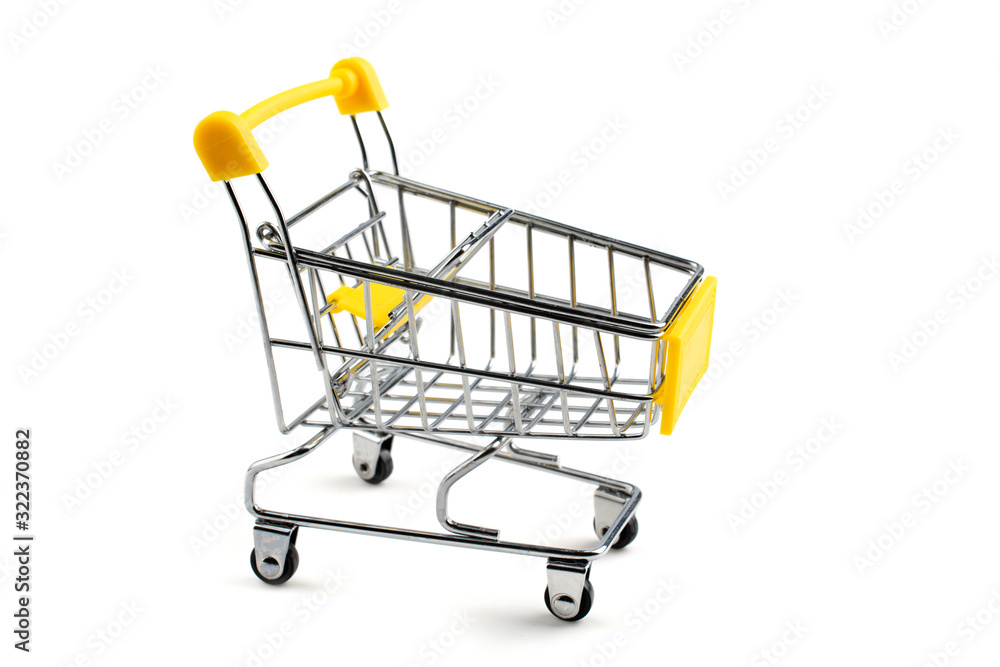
<point x="274" y="558"/>
<point x="569" y="595"/>
<point x="372" y="456"/>
<point x="608" y="505"/>
<point x="625" y="537"/>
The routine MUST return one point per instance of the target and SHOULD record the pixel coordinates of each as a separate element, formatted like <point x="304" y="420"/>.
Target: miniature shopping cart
<point x="518" y="328"/>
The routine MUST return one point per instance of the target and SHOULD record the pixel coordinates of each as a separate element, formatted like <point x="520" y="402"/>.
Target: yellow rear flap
<point x="689" y="342"/>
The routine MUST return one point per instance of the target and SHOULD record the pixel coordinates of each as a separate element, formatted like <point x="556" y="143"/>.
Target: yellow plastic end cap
<point x="367" y="95"/>
<point x="689" y="343"/>
<point x="227" y="148"/>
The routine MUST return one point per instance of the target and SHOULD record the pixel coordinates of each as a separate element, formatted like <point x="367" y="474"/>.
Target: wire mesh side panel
<point x="528" y="328"/>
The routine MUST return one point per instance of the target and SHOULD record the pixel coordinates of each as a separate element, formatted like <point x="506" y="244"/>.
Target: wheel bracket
<point x="566" y="580"/>
<point x="271" y="543"/>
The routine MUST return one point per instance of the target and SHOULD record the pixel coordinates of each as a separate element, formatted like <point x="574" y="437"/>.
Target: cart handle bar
<point x="224" y="140"/>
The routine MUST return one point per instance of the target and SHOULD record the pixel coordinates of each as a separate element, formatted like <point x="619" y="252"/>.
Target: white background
<point x="815" y="305"/>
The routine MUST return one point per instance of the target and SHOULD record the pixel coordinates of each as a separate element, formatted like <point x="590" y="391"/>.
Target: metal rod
<point x="460" y="471"/>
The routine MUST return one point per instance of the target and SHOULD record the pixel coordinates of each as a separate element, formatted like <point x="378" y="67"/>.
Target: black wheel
<point x="383" y="468"/>
<point x="626" y="536"/>
<point x="585" y="604"/>
<point x="291" y="564"/>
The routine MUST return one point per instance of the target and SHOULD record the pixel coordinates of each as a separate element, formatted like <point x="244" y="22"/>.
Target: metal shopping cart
<point x="477" y="351"/>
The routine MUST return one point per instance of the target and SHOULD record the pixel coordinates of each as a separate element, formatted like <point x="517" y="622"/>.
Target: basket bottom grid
<point x="489" y="407"/>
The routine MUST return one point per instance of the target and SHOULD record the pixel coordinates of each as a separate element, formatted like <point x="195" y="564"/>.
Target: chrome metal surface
<point x="367" y="447"/>
<point x="460" y="471"/>
<point x="472" y="542"/>
<point x="270" y="544"/>
<point x="540" y="364"/>
<point x="566" y="579"/>
<point x="609" y="504"/>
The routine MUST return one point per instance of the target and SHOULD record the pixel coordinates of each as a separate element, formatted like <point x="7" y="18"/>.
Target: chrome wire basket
<point x="483" y="345"/>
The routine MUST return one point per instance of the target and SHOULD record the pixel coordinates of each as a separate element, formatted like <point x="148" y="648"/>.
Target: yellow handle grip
<point x="226" y="145"/>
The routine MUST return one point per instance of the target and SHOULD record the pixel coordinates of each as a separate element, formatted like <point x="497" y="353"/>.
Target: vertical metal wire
<point x="373" y="210"/>
<point x="655" y="368"/>
<point x="649" y="289"/>
<point x="454" y="230"/>
<point x="361" y="142"/>
<point x="368" y="248"/>
<point x="460" y="341"/>
<point x="332" y="319"/>
<point x="561" y="376"/>
<point x="614" y="311"/>
<point x="493" y="312"/>
<point x="515" y="388"/>
<point x="354" y="319"/>
<point x="572" y="299"/>
<point x="293" y="269"/>
<point x="408" y="260"/>
<point x="411" y="322"/>
<point x="261" y="313"/>
<point x="531" y="295"/>
<point x="612" y="415"/>
<point x="332" y="403"/>
<point x="372" y="365"/>
<point x="454" y="242"/>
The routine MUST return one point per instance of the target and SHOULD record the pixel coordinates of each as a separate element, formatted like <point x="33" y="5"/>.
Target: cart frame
<point x="536" y="405"/>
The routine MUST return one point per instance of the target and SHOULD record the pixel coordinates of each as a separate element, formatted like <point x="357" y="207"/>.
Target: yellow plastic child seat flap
<point x="385" y="298"/>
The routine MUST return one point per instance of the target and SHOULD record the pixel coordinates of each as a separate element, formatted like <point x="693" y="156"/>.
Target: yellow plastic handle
<point x="224" y="140"/>
<point x="689" y="342"/>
